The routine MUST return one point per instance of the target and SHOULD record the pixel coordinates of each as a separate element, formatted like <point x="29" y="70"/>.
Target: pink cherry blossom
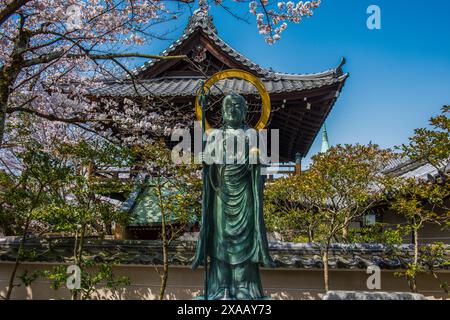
<point x="269" y="17"/>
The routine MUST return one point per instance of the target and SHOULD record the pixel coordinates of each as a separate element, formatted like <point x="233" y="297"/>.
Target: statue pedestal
<point x="229" y="298"/>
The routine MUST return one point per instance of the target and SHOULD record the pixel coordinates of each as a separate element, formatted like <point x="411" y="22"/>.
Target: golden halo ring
<point x="240" y="74"/>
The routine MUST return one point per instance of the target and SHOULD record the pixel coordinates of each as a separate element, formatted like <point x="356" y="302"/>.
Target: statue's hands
<point x="254" y="155"/>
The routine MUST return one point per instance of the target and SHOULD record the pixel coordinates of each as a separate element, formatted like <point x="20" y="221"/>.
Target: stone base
<point x="202" y="297"/>
<point x="372" y="295"/>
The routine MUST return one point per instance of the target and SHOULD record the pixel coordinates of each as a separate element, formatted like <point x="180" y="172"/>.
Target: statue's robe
<point x="235" y="232"/>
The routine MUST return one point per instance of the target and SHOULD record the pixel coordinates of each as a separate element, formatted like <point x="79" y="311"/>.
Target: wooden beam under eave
<point x="326" y="92"/>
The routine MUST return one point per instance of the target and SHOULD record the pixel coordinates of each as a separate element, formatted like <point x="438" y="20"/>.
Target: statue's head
<point x="234" y="109"/>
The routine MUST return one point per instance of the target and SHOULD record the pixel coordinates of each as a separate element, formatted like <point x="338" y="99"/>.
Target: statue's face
<point x="234" y="109"/>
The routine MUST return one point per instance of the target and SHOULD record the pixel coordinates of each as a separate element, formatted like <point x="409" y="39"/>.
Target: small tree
<point x="177" y="190"/>
<point x="434" y="257"/>
<point x="431" y="145"/>
<point x="25" y="193"/>
<point x="289" y="210"/>
<point x="345" y="182"/>
<point x="83" y="208"/>
<point x="418" y="202"/>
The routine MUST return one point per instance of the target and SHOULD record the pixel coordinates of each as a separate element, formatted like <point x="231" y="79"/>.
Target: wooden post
<point x="90" y="170"/>
<point x="119" y="232"/>
<point x="298" y="163"/>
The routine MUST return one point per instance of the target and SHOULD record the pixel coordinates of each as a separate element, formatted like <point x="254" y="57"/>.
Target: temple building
<point x="300" y="102"/>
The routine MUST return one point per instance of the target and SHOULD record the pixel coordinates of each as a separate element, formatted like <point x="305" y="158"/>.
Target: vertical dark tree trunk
<point x="18" y="259"/>
<point x="310" y="235"/>
<point x="10" y="72"/>
<point x="165" y="273"/>
<point x="325" y="268"/>
<point x="345" y="230"/>
<point x="78" y="251"/>
<point x="413" y="277"/>
<point x="165" y="245"/>
<point x="5" y="84"/>
<point x="78" y="257"/>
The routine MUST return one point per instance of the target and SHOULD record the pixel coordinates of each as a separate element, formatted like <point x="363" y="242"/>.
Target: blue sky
<point x="399" y="75"/>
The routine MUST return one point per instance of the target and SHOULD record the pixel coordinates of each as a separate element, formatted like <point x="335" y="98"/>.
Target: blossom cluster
<point x="272" y="19"/>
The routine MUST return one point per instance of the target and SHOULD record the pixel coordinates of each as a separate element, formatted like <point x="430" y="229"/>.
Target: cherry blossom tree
<point x="53" y="52"/>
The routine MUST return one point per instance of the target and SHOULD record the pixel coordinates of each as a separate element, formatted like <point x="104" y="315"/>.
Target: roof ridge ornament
<point x="203" y="9"/>
<point x="339" y="70"/>
<point x="201" y="18"/>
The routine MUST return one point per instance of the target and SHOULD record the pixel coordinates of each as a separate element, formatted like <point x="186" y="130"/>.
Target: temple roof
<point x="418" y="169"/>
<point x="300" y="102"/>
<point x="182" y="87"/>
<point x="275" y="82"/>
<point x="202" y="21"/>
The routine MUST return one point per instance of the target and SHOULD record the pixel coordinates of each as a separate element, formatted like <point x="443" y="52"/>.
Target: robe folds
<point x="236" y="240"/>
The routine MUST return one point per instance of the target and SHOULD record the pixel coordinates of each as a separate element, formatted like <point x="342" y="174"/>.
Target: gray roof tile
<point x="187" y="87"/>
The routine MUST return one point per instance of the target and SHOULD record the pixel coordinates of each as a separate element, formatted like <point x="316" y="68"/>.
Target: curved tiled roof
<point x="418" y="169"/>
<point x="170" y="86"/>
<point x="275" y="82"/>
<point x="201" y="21"/>
<point x="142" y="205"/>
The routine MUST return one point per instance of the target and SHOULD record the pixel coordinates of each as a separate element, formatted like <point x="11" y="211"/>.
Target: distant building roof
<point x="275" y="82"/>
<point x="143" y="205"/>
<point x="407" y="168"/>
<point x="204" y="22"/>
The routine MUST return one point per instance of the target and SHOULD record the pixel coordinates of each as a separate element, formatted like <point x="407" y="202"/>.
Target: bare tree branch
<point x="56" y="55"/>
